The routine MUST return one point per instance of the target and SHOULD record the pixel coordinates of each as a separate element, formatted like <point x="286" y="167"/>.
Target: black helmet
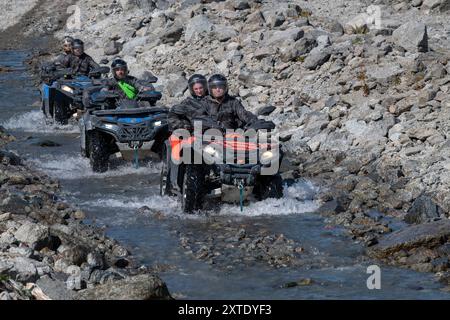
<point x="218" y="80"/>
<point x="119" y="63"/>
<point x="197" y="78"/>
<point x="77" y="43"/>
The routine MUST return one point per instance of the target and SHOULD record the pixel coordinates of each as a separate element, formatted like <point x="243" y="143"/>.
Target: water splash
<point x="35" y="121"/>
<point x="296" y="200"/>
<point x="76" y="167"/>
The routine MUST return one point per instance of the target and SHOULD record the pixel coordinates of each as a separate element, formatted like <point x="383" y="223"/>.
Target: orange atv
<point x="195" y="169"/>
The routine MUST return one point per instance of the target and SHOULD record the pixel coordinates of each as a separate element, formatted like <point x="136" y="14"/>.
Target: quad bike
<point x="135" y="128"/>
<point x="229" y="171"/>
<point x="62" y="91"/>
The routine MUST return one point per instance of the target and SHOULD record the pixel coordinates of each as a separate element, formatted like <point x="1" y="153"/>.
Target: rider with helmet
<point x="67" y="50"/>
<point x="126" y="86"/>
<point x="80" y="62"/>
<point x="225" y="109"/>
<point x="180" y="116"/>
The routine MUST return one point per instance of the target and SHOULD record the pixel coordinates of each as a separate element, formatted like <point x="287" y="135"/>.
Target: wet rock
<point x="301" y="282"/>
<point x="423" y="210"/>
<point x="120" y="251"/>
<point x="7" y="157"/>
<point x="427" y="235"/>
<point x="412" y="36"/>
<point x="141" y="287"/>
<point x="44" y="143"/>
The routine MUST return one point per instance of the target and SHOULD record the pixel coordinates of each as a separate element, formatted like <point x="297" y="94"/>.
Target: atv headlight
<point x="266" y="156"/>
<point x="211" y="151"/>
<point x="66" y="88"/>
<point x="109" y="126"/>
<point x="157" y="123"/>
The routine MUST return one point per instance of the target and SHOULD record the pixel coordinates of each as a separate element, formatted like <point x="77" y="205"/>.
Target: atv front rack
<point x="126" y="112"/>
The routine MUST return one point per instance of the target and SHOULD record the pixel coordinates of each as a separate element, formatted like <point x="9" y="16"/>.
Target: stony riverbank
<point x="46" y="252"/>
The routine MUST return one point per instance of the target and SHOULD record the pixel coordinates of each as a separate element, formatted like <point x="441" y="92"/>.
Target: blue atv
<point x="136" y="128"/>
<point x="62" y="91"/>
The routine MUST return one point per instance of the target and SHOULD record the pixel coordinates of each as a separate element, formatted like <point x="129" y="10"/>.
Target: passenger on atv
<point x="78" y="61"/>
<point x="67" y="50"/>
<point x="180" y="115"/>
<point x="219" y="107"/>
<point x="254" y="163"/>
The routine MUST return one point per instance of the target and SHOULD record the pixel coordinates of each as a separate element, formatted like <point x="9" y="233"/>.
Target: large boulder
<point x="34" y="235"/>
<point x="175" y="85"/>
<point x="141" y="287"/>
<point x="198" y="25"/>
<point x="172" y="34"/>
<point x="427" y="235"/>
<point x="422" y="210"/>
<point x="316" y="58"/>
<point x="282" y="37"/>
<point x="412" y="36"/>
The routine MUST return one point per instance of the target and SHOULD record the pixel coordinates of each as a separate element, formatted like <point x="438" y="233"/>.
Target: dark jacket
<point x="230" y="113"/>
<point x="59" y="61"/>
<point x="182" y="115"/>
<point x="81" y="65"/>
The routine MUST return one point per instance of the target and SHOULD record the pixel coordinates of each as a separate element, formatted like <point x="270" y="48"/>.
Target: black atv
<point x="135" y="128"/>
<point x="62" y="91"/>
<point x="225" y="170"/>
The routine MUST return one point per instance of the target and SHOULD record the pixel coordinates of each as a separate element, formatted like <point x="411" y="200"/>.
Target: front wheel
<point x="193" y="188"/>
<point x="269" y="187"/>
<point x="164" y="179"/>
<point x="98" y="151"/>
<point x="61" y="113"/>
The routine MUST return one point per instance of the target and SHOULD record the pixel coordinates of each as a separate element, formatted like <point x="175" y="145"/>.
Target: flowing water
<point x="112" y="200"/>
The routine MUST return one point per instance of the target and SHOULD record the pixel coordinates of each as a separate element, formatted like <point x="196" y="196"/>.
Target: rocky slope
<point x="360" y="89"/>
